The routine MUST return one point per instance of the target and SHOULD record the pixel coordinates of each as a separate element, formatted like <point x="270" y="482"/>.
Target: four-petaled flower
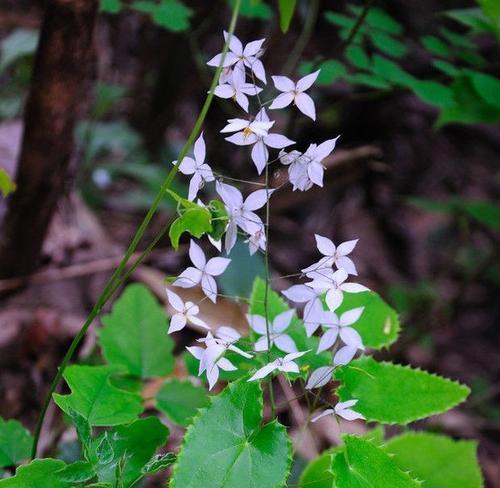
<point x="342" y="409"/>
<point x="332" y="282"/>
<point x="334" y="255"/>
<point x="236" y="88"/>
<point x="294" y="92"/>
<point x="340" y="326"/>
<point x="276" y="330"/>
<point x="286" y="364"/>
<point x="197" y="167"/>
<point x="309" y="296"/>
<point x="185" y="312"/>
<point x="203" y="272"/>
<point x="239" y="57"/>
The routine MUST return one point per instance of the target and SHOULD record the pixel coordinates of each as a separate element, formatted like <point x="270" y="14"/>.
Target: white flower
<point x="334" y="255"/>
<point x="241" y="212"/>
<point x="309" y="296"/>
<point x="203" y="272"/>
<point x="197" y="167"/>
<point x="342" y="410"/>
<point x="236" y="88"/>
<point x="240" y="57"/>
<point x="213" y="370"/>
<point x="276" y="331"/>
<point x="333" y="283"/>
<point x="185" y="312"/>
<point x="319" y="377"/>
<point x="341" y="326"/>
<point x="260" y="153"/>
<point x="226" y="337"/>
<point x="294" y="92"/>
<point x="285" y="364"/>
<point x="297" y="169"/>
<point x="257" y="241"/>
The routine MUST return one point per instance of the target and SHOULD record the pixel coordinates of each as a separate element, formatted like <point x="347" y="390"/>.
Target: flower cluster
<point x="244" y="78"/>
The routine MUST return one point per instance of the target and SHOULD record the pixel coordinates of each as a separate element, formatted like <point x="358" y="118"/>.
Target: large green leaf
<point x="378" y="324"/>
<point x="40" y="473"/>
<point x="96" y="399"/>
<point x="361" y="464"/>
<point x="395" y="394"/>
<point x="132" y="447"/>
<point x="180" y="400"/>
<point x="227" y="446"/>
<point x="135" y="336"/>
<point x="195" y="221"/>
<point x="296" y="330"/>
<point x="286" y="8"/>
<point x="15" y="443"/>
<point x="437" y="460"/>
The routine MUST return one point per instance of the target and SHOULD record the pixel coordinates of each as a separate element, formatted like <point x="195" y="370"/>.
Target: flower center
<point x="247" y="131"/>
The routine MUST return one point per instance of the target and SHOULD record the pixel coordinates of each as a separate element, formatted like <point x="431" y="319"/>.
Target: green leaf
<point x="487" y="213"/>
<point x="172" y="15"/>
<point x="331" y="71"/>
<point x="340" y="20"/>
<point x="135" y="336"/>
<point x="447" y="68"/>
<point x="82" y="426"/>
<point x="19" y="44"/>
<point x="15" y="443"/>
<point x="458" y="40"/>
<point x="276" y="305"/>
<point x="388" y="45"/>
<point x="7" y="186"/>
<point x="254" y="9"/>
<point x="286" y="8"/>
<point x="104" y="451"/>
<point x="361" y="464"/>
<point x="473" y="18"/>
<point x="487" y="86"/>
<point x="133" y="446"/>
<point x="378" y="325"/>
<point x="491" y="9"/>
<point x="195" y="221"/>
<point x="318" y="473"/>
<point x="433" y="93"/>
<point x="219" y="218"/>
<point x="111" y="6"/>
<point x="368" y="80"/>
<point x="391" y="71"/>
<point x="77" y="472"/>
<point x="394" y="394"/>
<point x="379" y="19"/>
<point x="180" y="400"/>
<point x="437" y="460"/>
<point x="93" y="396"/>
<point x="357" y="56"/>
<point x="158" y="462"/>
<point x="40" y="473"/>
<point x="435" y="46"/>
<point x="226" y="445"/>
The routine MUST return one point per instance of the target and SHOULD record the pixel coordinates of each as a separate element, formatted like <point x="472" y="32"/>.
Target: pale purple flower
<point x="240" y="56"/>
<point x="342" y="409"/>
<point x="333" y="283"/>
<point x="276" y="328"/>
<point x="236" y="88"/>
<point x="319" y="377"/>
<point x="203" y="272"/>
<point x="257" y="240"/>
<point x="309" y="296"/>
<point x="225" y="338"/>
<point x="294" y="92"/>
<point x="286" y="364"/>
<point x="241" y="212"/>
<point x="334" y="255"/>
<point x="185" y="312"/>
<point x="297" y="169"/>
<point x="197" y="167"/>
<point x="340" y="327"/>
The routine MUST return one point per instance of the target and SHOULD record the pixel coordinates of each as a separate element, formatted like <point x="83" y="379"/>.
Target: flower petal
<point x="241" y="139"/>
<point x="257" y="323"/>
<point x="242" y="100"/>
<point x="289" y="367"/>
<point x="261" y="344"/>
<point x="195" y="184"/>
<point x="328" y="411"/>
<point x="347" y="247"/>
<point x="235" y="125"/>
<point x="196" y="255"/>
<point x="353" y="287"/>
<point x="226" y="365"/>
<point x="315" y="172"/>
<point x="282" y="321"/>
<point x="283" y="83"/>
<point x="253" y="47"/>
<point x="260" y="155"/>
<point x="196" y="351"/>
<point x="188" y="278"/>
<point x="306" y="105"/>
<point x="285" y="343"/>
<point x="328" y="339"/>
<point x="209" y="287"/>
<point x="175" y="300"/>
<point x="334" y="298"/>
<point x="227" y="334"/>
<point x="258" y="68"/>
<point x="351" y="316"/>
<point x="325" y="246"/>
<point x="281" y="101"/>
<point x="212" y="376"/>
<point x="187" y="166"/>
<point x="346" y="263"/>
<point x="264" y="371"/>
<point x="344" y="355"/>
<point x="319" y="377"/>
<point x="224" y="91"/>
<point x="306" y="82"/>
<point x="231" y="236"/>
<point x="257" y="199"/>
<point x="324" y="149"/>
<point x="299" y="293"/>
<point x="217" y="266"/>
<point x="351" y="337"/>
<point x="177" y="322"/>
<point x="235" y="44"/>
<point x="230" y="195"/>
<point x="277" y="141"/>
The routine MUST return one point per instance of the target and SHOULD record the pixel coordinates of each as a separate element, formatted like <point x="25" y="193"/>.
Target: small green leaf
<point x="286" y="8"/>
<point x="474" y="18"/>
<point x="367" y="79"/>
<point x="96" y="399"/>
<point x="435" y="46"/>
<point x="77" y="472"/>
<point x="433" y="93"/>
<point x="340" y="20"/>
<point x="40" y="473"/>
<point x="388" y="45"/>
<point x="331" y="71"/>
<point x="82" y="426"/>
<point x="15" y="443"/>
<point x="158" y="462"/>
<point x="172" y="15"/>
<point x="361" y="464"/>
<point x="437" y="460"/>
<point x="135" y="336"/>
<point x="133" y="445"/>
<point x="19" y="44"/>
<point x="254" y="9"/>
<point x="394" y="394"/>
<point x="487" y="86"/>
<point x="447" y="68"/>
<point x="357" y="56"/>
<point x="391" y="71"/>
<point x="195" y="221"/>
<point x="219" y="219"/>
<point x="7" y="186"/>
<point x="111" y="6"/>
<point x="226" y="445"/>
<point x="180" y="400"/>
<point x="378" y="325"/>
<point x="458" y="40"/>
<point x="379" y="19"/>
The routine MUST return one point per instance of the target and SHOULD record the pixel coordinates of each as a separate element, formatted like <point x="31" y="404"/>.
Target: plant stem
<point x="357" y="25"/>
<point x="117" y="279"/>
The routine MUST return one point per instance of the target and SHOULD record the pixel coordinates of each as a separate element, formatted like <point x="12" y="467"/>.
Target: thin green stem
<point x="117" y="279"/>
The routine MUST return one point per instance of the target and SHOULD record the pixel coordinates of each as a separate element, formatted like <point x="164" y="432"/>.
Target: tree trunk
<point x="63" y="68"/>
